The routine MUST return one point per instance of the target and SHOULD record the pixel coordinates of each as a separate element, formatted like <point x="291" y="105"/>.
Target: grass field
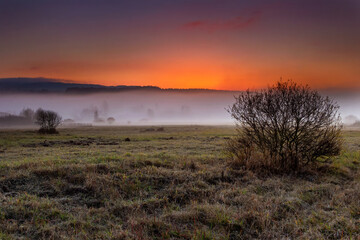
<point x="173" y="182"/>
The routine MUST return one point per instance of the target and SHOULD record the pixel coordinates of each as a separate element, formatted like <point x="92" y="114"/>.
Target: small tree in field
<point x="47" y="120"/>
<point x="284" y="127"/>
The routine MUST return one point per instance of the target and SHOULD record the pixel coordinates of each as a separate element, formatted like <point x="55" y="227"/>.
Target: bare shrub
<point x="47" y="120"/>
<point x="110" y="120"/>
<point x="284" y="127"/>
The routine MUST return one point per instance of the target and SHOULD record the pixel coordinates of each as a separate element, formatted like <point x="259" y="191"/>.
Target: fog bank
<point x="133" y="107"/>
<point x="146" y="107"/>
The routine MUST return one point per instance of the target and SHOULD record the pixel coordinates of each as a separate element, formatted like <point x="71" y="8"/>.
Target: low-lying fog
<point x="133" y="107"/>
<point x="146" y="107"/>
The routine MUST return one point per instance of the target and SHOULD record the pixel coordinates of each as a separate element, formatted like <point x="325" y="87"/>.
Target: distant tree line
<point x="46" y="119"/>
<point x="25" y="118"/>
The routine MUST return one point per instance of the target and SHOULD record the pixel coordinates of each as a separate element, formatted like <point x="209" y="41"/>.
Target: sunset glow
<point x="230" y="45"/>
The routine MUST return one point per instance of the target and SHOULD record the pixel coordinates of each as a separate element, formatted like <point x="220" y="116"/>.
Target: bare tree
<point x="47" y="120"/>
<point x="284" y="127"/>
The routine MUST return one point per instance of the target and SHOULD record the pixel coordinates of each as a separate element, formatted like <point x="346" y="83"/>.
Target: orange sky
<point x="183" y="44"/>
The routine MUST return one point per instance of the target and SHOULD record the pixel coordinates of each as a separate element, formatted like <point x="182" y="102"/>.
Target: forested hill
<point x="47" y="85"/>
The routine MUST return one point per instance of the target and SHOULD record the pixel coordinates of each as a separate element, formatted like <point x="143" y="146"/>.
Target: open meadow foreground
<point x="173" y="119"/>
<point x="172" y="182"/>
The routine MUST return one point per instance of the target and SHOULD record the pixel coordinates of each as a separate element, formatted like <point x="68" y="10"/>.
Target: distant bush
<point x="47" y="120"/>
<point x="284" y="127"/>
<point x="28" y="113"/>
<point x="110" y="120"/>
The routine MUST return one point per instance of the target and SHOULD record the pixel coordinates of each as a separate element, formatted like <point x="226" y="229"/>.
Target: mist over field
<point x="147" y="107"/>
<point x="134" y="107"/>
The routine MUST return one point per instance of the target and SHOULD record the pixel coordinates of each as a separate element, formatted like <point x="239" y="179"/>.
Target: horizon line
<point x="69" y="81"/>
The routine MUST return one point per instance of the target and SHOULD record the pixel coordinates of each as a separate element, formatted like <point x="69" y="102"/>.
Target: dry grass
<point x="89" y="183"/>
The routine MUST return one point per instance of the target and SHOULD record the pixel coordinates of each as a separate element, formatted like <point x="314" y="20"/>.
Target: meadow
<point x="170" y="182"/>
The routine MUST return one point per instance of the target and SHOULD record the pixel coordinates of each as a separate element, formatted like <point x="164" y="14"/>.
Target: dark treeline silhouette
<point x="37" y="85"/>
<point x="46" y="85"/>
<point x="25" y="118"/>
<point x="103" y="89"/>
<point x="46" y="119"/>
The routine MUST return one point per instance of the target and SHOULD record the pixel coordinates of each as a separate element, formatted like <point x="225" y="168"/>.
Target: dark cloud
<point x="237" y="23"/>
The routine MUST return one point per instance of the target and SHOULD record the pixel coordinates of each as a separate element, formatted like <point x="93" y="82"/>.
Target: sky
<point x="215" y="44"/>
